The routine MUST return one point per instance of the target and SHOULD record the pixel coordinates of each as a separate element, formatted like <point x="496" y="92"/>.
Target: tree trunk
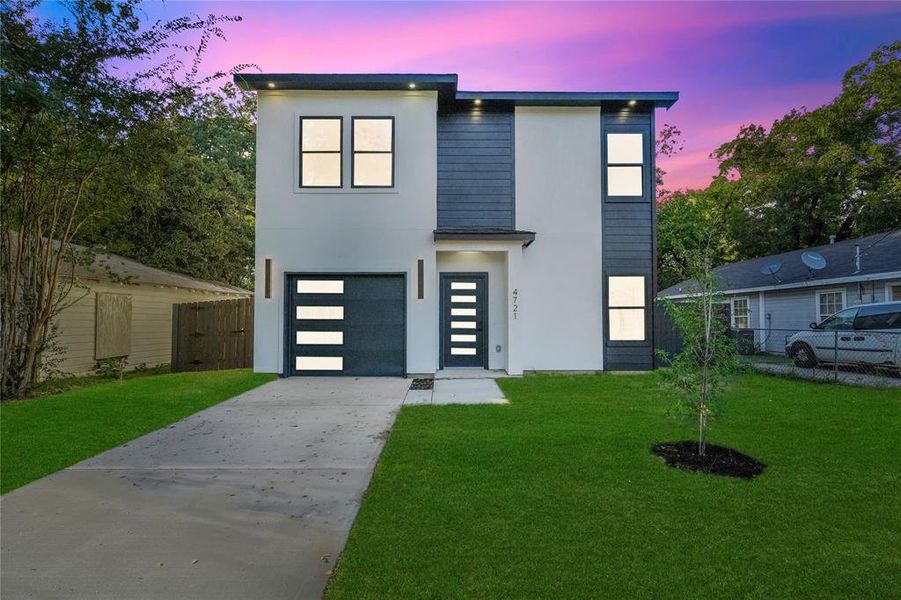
<point x="702" y="431"/>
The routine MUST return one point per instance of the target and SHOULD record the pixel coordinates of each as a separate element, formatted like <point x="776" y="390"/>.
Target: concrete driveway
<point x="252" y="498"/>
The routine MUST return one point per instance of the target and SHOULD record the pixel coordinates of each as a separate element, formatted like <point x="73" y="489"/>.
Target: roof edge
<point x="810" y="283"/>
<point x="446" y="86"/>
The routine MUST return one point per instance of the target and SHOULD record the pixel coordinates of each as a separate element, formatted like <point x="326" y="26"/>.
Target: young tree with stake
<point x="697" y="373"/>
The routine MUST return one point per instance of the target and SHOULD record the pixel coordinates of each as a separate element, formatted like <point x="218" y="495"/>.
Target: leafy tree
<point x="71" y="123"/>
<point x="189" y="207"/>
<point x="697" y="374"/>
<point x="689" y="220"/>
<point x="667" y="143"/>
<point x="833" y="170"/>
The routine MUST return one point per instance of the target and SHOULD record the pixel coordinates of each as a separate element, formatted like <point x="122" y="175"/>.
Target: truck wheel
<point x="804" y="356"/>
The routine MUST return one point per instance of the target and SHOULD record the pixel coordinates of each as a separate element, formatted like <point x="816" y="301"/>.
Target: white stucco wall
<point x="495" y="264"/>
<point x="558" y="195"/>
<point x="346" y="230"/>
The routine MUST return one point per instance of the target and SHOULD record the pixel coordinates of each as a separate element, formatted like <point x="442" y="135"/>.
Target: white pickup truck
<point x="869" y="334"/>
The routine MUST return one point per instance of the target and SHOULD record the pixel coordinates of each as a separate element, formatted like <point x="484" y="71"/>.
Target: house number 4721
<point x="515" y="303"/>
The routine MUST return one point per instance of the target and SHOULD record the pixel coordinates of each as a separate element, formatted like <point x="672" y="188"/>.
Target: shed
<point x="123" y="308"/>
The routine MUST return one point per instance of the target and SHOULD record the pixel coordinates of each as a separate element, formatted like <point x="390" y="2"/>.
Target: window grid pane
<point x="625" y="148"/>
<point x="626" y="291"/>
<point x="627" y="324"/>
<point x="624" y="181"/>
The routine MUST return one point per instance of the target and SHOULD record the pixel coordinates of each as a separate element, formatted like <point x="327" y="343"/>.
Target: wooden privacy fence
<point x="208" y="336"/>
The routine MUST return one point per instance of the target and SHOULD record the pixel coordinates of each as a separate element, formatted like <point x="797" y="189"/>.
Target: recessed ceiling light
<point x="633" y="102"/>
<point x="477" y="101"/>
<point x="411" y="85"/>
<point x="271" y="84"/>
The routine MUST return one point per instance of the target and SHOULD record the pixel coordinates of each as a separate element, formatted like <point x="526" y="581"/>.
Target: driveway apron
<point x="252" y="498"/>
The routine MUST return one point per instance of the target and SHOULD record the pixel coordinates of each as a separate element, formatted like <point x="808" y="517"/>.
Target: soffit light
<point x="633" y="102"/>
<point x="411" y="85"/>
<point x="271" y="84"/>
<point x="477" y="101"/>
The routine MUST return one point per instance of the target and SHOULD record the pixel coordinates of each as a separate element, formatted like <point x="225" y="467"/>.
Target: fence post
<point x="835" y="358"/>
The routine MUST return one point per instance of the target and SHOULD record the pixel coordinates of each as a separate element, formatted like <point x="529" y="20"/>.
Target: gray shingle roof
<point x="108" y="267"/>
<point x="880" y="253"/>
<point x="112" y="267"/>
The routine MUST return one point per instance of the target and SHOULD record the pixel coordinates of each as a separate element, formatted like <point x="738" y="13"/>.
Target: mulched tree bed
<point x="717" y="460"/>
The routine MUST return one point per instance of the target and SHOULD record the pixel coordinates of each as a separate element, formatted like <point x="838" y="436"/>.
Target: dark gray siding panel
<point x="475" y="169"/>
<point x="628" y="245"/>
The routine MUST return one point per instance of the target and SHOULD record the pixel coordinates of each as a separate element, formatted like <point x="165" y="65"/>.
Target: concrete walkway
<point x="252" y="498"/>
<point x="458" y="391"/>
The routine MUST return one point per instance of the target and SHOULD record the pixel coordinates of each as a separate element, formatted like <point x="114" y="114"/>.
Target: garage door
<point x="346" y="325"/>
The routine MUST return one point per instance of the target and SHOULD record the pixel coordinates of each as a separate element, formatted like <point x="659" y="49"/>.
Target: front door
<point x="464" y="320"/>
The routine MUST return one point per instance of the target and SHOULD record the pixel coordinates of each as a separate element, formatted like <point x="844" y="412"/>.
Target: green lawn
<point x="42" y="435"/>
<point x="557" y="495"/>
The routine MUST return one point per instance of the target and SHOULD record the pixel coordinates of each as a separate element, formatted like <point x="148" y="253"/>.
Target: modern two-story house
<point x="405" y="226"/>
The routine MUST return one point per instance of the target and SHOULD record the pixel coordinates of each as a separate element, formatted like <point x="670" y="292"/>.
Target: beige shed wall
<point x="151" y="323"/>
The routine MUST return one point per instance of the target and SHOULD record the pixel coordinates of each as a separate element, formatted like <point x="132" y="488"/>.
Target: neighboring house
<point x="120" y="307"/>
<point x="857" y="271"/>
<point x="405" y="226"/>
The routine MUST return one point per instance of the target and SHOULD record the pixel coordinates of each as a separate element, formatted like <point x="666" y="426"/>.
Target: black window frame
<point x="354" y="151"/>
<point x="339" y="152"/>
<point x="646" y="183"/>
<point x="647" y="334"/>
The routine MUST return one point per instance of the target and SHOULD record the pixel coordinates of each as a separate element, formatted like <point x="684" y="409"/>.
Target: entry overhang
<point x="491" y="235"/>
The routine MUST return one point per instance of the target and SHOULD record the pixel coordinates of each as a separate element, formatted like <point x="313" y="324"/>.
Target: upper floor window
<point x="320" y="152"/>
<point x="625" y="164"/>
<point x="373" y="152"/>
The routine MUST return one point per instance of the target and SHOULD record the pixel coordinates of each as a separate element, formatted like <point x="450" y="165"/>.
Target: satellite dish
<point x="772" y="268"/>
<point x="813" y="260"/>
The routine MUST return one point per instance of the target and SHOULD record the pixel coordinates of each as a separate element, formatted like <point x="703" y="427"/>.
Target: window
<point x="878" y="317"/>
<point x="373" y="152"/>
<point x="625" y="164"/>
<point x="892" y="292"/>
<point x="626" y="308"/>
<point x="829" y="303"/>
<point x="741" y="313"/>
<point x="320" y="286"/>
<point x="320" y="152"/>
<point x="841" y="321"/>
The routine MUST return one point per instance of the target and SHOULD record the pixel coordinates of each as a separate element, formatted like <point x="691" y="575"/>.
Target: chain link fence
<point x="850" y="353"/>
<point x="868" y="358"/>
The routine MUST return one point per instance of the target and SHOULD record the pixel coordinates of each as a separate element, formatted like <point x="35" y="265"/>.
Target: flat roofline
<point x="483" y="235"/>
<point x="446" y="86"/>
<point x="659" y="99"/>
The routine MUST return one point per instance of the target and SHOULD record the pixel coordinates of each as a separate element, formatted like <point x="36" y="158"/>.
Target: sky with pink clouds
<point x="733" y="63"/>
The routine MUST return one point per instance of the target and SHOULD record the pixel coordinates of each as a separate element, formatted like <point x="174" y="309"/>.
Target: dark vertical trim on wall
<point x="420" y="274"/>
<point x="512" y="169"/>
<point x="652" y="284"/>
<point x="267" y="274"/>
<point x="627" y="239"/>
<point x="476" y="174"/>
